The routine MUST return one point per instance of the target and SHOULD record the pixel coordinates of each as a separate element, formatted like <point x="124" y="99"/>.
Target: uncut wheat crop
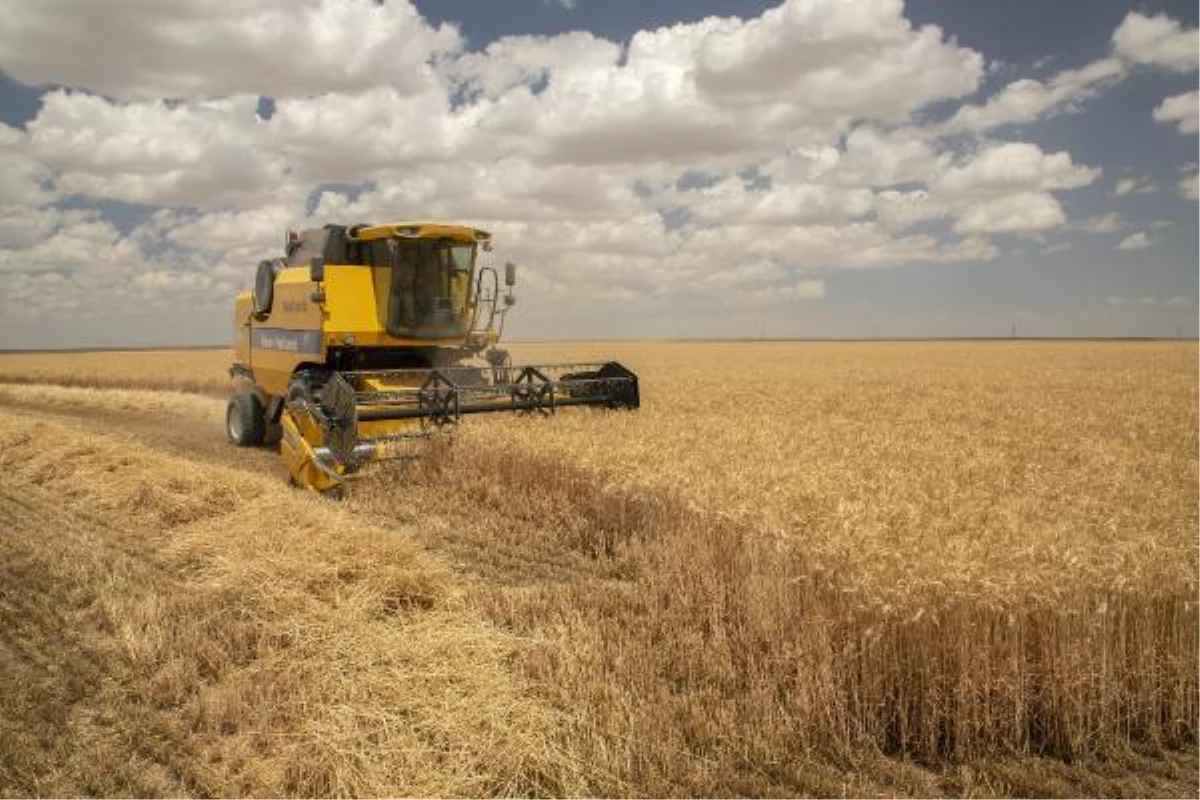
<point x="201" y="371"/>
<point x="995" y="468"/>
<point x="933" y="551"/>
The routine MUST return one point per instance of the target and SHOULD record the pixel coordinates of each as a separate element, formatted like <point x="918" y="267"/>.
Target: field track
<point x="198" y="435"/>
<point x="500" y="619"/>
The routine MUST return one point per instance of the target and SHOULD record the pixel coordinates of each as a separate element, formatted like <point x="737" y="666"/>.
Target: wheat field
<point x="799" y="569"/>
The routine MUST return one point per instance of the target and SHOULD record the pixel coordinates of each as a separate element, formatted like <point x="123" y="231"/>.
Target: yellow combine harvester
<point x="366" y="337"/>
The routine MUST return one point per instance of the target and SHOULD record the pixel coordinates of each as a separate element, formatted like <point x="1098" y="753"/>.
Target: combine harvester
<point x="367" y="337"/>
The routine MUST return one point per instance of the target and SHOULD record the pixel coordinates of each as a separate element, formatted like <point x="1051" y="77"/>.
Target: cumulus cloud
<point x="154" y="151"/>
<point x="1182" y="109"/>
<point x="1109" y="222"/>
<point x="1028" y="99"/>
<point x="1147" y="300"/>
<point x="211" y="48"/>
<point x="1026" y="212"/>
<point x="724" y="160"/>
<point x="732" y="200"/>
<point x="23" y="179"/>
<point x="834" y="59"/>
<point x="1005" y="188"/>
<point x="76" y="243"/>
<point x="1189" y="187"/>
<point x="1018" y="166"/>
<point x="1135" y="241"/>
<point x="347" y="137"/>
<point x="718" y="88"/>
<point x="1157" y="41"/>
<point x="1128" y="186"/>
<point x="880" y="158"/>
<point x="529" y="61"/>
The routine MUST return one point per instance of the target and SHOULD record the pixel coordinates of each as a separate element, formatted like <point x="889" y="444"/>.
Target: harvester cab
<point x="361" y="340"/>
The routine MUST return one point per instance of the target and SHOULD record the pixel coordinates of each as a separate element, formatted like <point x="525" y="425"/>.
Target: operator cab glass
<point x="430" y="286"/>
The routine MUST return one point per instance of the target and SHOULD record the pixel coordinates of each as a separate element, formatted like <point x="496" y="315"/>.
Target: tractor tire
<point x="245" y="420"/>
<point x="273" y="434"/>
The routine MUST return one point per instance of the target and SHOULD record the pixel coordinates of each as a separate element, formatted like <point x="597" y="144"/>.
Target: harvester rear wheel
<point x="245" y="420"/>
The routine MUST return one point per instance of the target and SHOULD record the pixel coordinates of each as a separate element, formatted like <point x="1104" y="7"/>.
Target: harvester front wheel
<point x="245" y="420"/>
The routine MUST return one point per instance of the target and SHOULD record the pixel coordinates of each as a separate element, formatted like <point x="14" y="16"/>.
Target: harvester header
<point x="365" y="336"/>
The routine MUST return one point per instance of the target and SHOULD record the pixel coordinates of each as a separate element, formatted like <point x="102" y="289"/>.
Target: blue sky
<point x="810" y="168"/>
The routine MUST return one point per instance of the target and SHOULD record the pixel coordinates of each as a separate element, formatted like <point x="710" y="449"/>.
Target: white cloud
<point x="1147" y="300"/>
<point x="834" y="60"/>
<point x="1028" y="99"/>
<point x="1128" y="186"/>
<point x="347" y="137"/>
<point x="1189" y="187"/>
<point x="77" y="243"/>
<point x="807" y="289"/>
<point x="1182" y="109"/>
<point x="209" y="48"/>
<point x="1109" y="222"/>
<point x="23" y="180"/>
<point x="878" y="158"/>
<point x="784" y="204"/>
<point x="719" y="88"/>
<point x="1014" y="166"/>
<point x="228" y="232"/>
<point x="203" y="153"/>
<point x="724" y="160"/>
<point x="24" y="226"/>
<point x="1026" y="212"/>
<point x="900" y="210"/>
<point x="1157" y="41"/>
<point x="1005" y="188"/>
<point x="528" y="61"/>
<point x="1135" y="241"/>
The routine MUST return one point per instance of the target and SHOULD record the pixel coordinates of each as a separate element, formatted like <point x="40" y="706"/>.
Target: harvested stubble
<point x="808" y="554"/>
<point x="173" y="629"/>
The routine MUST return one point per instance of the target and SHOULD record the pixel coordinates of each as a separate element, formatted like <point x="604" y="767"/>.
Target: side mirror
<point x="316" y="269"/>
<point x="510" y="274"/>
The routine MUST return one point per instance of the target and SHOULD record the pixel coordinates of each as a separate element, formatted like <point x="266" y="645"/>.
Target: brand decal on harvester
<point x="286" y="341"/>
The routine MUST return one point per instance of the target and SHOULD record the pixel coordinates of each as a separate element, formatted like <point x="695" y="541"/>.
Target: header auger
<point x="366" y="338"/>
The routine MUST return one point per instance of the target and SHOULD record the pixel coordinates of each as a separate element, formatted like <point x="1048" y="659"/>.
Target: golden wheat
<point x="940" y="552"/>
<point x="799" y="569"/>
<point x="199" y="371"/>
